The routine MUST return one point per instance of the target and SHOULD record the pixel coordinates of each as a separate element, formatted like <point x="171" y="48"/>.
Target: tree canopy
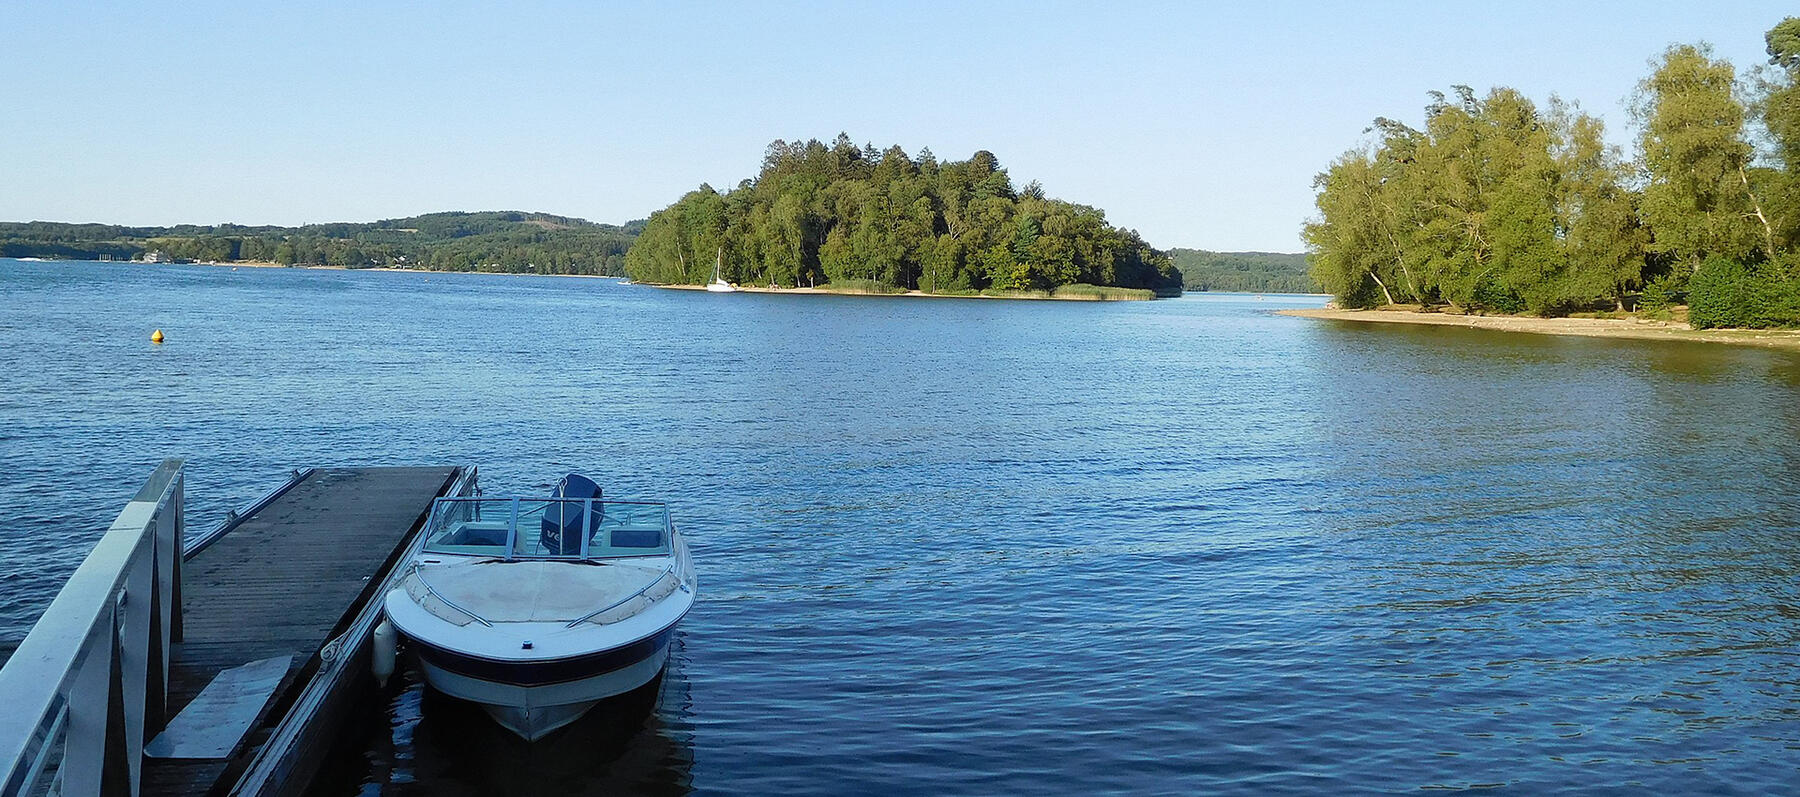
<point x="1498" y="204"/>
<point x="818" y="214"/>
<point x="1248" y="272"/>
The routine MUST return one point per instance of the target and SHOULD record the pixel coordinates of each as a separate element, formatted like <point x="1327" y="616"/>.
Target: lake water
<point x="996" y="547"/>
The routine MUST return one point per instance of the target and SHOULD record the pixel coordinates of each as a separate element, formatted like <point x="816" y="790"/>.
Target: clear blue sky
<point x="1198" y="124"/>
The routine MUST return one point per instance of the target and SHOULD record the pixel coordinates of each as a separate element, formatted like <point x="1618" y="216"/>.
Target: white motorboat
<point x="537" y="609"/>
<point x="718" y="284"/>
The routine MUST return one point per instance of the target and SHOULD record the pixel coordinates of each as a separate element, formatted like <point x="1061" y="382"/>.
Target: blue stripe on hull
<point x="542" y="673"/>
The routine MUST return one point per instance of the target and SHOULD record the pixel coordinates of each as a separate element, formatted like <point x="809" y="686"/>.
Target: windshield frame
<point x="441" y="522"/>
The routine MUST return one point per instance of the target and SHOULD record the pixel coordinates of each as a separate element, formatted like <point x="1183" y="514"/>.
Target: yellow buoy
<point x="156" y="337"/>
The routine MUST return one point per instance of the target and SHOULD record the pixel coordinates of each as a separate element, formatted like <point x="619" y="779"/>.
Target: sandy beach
<point x="1641" y="329"/>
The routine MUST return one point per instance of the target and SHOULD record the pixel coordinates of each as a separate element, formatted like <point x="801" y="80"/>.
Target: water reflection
<point x="640" y="742"/>
<point x="1526" y="548"/>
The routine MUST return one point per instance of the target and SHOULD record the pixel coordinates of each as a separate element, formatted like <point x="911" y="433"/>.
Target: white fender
<point x="383" y="647"/>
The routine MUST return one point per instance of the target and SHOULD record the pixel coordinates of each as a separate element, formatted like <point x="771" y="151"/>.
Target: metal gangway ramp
<point x="152" y="617"/>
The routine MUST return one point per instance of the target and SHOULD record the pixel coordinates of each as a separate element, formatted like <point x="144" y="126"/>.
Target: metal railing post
<point x="88" y="684"/>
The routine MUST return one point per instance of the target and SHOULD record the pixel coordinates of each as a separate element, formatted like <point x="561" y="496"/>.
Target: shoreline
<point x="739" y="288"/>
<point x="1626" y="328"/>
<point x="317" y="267"/>
<point x="906" y="295"/>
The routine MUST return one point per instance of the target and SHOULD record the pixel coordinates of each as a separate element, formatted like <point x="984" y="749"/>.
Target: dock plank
<point x="281" y="583"/>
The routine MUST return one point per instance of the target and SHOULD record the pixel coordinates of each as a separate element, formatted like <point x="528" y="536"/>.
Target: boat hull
<point x="533" y="699"/>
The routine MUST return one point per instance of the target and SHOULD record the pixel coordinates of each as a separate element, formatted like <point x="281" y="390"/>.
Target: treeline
<point x="505" y="241"/>
<point x="1497" y="204"/>
<point x="849" y="215"/>
<point x="1248" y="272"/>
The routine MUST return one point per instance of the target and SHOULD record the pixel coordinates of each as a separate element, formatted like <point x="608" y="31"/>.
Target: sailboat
<point x="719" y="285"/>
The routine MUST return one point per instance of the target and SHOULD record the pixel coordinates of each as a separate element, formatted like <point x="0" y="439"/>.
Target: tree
<point x="1601" y="237"/>
<point x="838" y="213"/>
<point x="1491" y="206"/>
<point x="1698" y="201"/>
<point x="1348" y="240"/>
<point x="1780" y="111"/>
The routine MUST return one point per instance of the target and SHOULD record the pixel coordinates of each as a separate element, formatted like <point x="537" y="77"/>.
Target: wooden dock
<point x="289" y="577"/>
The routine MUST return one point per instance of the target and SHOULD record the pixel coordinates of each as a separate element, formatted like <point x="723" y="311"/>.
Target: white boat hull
<point x="720" y="287"/>
<point x="534" y="711"/>
<point x="538" y="641"/>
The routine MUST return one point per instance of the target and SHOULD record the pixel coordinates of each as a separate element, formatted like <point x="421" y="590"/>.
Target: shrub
<point x="1081" y="290"/>
<point x="1491" y="295"/>
<point x="852" y="285"/>
<point x="1661" y="293"/>
<point x="1726" y="293"/>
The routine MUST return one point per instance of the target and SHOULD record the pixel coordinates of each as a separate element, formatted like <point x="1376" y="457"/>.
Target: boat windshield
<point x="548" y="528"/>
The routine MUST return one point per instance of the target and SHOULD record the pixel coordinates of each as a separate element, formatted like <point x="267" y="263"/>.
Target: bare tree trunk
<point x="1400" y="260"/>
<point x="1379" y="283"/>
<point x="1768" y="231"/>
<point x="1399" y="256"/>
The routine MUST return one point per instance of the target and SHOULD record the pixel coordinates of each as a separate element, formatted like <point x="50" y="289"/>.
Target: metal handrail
<point x="447" y="602"/>
<point x="97" y="659"/>
<point x="667" y="570"/>
<point x="236" y="516"/>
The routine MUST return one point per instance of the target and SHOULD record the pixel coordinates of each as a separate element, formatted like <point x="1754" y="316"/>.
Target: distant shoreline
<point x="1045" y="297"/>
<point x="1635" y="329"/>
<point x="320" y="267"/>
<point x="1030" y="296"/>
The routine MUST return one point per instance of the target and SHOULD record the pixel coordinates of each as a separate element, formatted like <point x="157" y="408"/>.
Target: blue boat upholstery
<point x="477" y="533"/>
<point x="636" y="538"/>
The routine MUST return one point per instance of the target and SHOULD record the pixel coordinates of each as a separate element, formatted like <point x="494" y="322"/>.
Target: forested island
<point x="507" y="241"/>
<point x="882" y="221"/>
<point x="1245" y="272"/>
<point x="1499" y="205"/>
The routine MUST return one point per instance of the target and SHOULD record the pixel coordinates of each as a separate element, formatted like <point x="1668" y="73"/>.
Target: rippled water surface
<point x="988" y="547"/>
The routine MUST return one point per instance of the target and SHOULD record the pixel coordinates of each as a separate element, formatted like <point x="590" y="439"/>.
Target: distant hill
<point x="1251" y="272"/>
<point x="510" y="241"/>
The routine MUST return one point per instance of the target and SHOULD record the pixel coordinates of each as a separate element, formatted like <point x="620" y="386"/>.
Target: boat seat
<point x="636" y="538"/>
<point x="472" y="534"/>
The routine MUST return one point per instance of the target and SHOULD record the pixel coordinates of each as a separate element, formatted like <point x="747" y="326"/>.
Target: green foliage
<point x="498" y="241"/>
<point x="1783" y="42"/>
<point x="1780" y="112"/>
<point x="1730" y="293"/>
<point x="1663" y="292"/>
<point x="1492" y="206"/>
<point x="843" y="214"/>
<point x="1247" y="272"/>
<point x="1101" y="293"/>
<point x="1697" y="201"/>
<point x="856" y="285"/>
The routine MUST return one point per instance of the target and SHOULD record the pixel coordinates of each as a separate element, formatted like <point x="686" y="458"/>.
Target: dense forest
<point x="1499" y="205"/>
<point x="498" y="241"/>
<point x="1249" y="272"/>
<point x="844" y="215"/>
